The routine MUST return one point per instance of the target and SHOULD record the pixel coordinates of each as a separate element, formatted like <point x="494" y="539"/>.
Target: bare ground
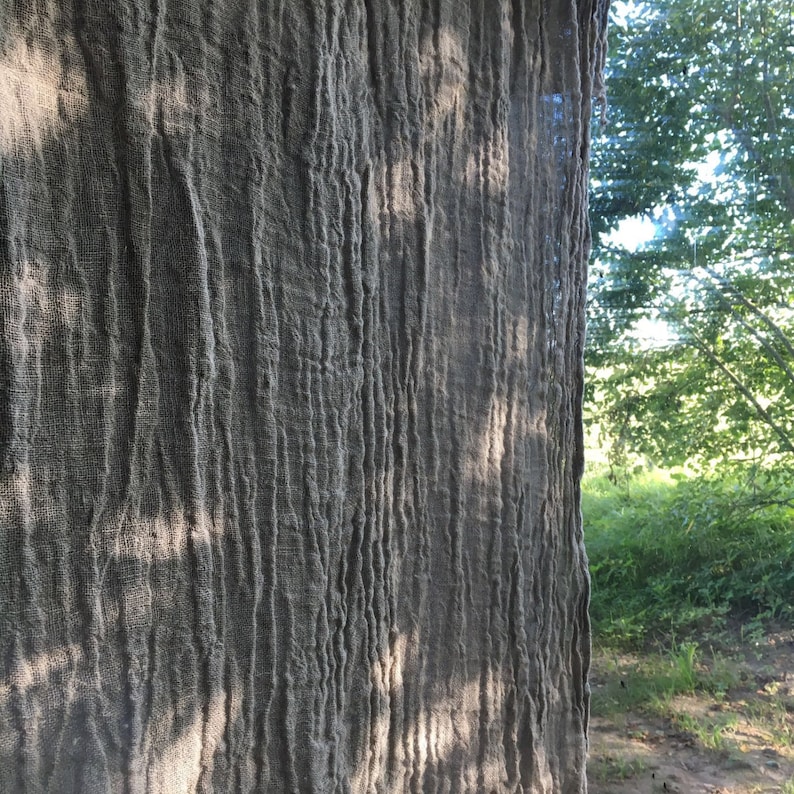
<point x="736" y="740"/>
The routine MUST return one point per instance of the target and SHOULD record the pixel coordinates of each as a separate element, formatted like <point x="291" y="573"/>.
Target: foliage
<point x="699" y="143"/>
<point x="674" y="555"/>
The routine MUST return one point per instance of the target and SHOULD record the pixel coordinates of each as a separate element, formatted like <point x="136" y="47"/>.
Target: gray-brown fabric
<point x="290" y="372"/>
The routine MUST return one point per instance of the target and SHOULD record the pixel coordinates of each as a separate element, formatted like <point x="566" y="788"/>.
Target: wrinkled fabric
<point x="290" y="381"/>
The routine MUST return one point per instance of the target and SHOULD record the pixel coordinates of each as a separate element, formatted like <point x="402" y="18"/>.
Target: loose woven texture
<point x="290" y="380"/>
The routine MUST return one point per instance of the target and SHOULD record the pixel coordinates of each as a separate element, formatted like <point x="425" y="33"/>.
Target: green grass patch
<point x="712" y="734"/>
<point x="674" y="556"/>
<point x="649" y="681"/>
<point x="611" y="769"/>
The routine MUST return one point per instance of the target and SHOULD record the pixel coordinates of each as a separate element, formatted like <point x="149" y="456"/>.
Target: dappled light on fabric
<point x="37" y="92"/>
<point x="291" y="358"/>
<point x="174" y="761"/>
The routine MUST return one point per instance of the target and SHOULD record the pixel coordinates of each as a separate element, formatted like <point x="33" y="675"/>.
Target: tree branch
<point x="774" y="327"/>
<point x="781" y="362"/>
<point x="701" y="345"/>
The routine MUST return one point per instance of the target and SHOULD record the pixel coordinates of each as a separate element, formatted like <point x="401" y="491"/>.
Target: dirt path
<point x="735" y="740"/>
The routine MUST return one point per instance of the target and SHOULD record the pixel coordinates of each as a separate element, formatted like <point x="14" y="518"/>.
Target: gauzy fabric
<point x="292" y="306"/>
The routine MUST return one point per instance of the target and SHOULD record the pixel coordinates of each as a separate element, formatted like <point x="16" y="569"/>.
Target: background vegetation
<point x="689" y="506"/>
<point x="679" y="556"/>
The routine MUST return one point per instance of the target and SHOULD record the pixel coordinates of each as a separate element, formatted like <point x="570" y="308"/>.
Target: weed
<point x="684" y="659"/>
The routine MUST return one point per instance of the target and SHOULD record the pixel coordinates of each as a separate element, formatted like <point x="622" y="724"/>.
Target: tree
<point x="293" y="319"/>
<point x="700" y="100"/>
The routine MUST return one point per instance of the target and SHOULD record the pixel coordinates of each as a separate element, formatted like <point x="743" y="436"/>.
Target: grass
<point x="773" y="713"/>
<point x="688" y="575"/>
<point x="674" y="556"/>
<point x="698" y="700"/>
<point x="611" y="769"/>
<point x="710" y="733"/>
<point x="684" y="661"/>
<point x="648" y="682"/>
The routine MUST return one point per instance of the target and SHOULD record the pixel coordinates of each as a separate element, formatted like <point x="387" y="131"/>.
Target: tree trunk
<point x="291" y="371"/>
